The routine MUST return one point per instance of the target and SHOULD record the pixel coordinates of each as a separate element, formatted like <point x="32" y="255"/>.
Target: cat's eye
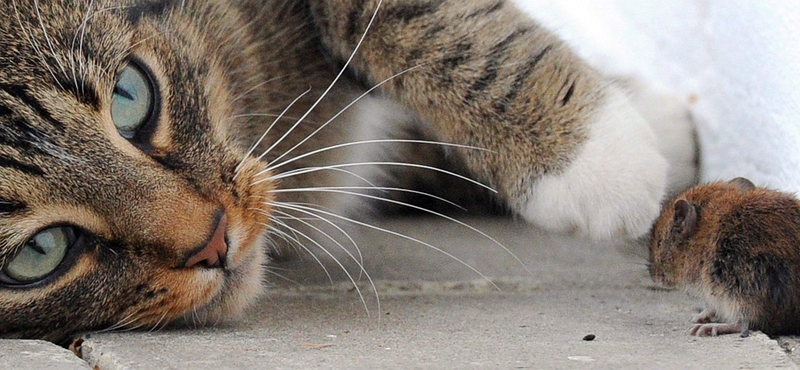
<point x="133" y="102"/>
<point x="40" y="256"/>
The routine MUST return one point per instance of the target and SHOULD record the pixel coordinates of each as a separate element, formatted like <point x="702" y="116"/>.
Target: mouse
<point x="737" y="246"/>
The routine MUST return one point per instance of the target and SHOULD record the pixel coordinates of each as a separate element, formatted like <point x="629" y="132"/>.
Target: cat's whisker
<point x="272" y="167"/>
<point x="290" y="241"/>
<point x="78" y="33"/>
<point x="298" y="171"/>
<point x="307" y="250"/>
<point x="359" y="260"/>
<point x="360" y="164"/>
<point x="333" y="257"/>
<point x="316" y="217"/>
<point x="35" y="45"/>
<point x="195" y="317"/>
<point x="132" y="328"/>
<point x="278" y="275"/>
<point x="432" y="212"/>
<point x="82" y="29"/>
<point x="379" y="188"/>
<point x="406" y="237"/>
<point x="270" y="115"/>
<point x="47" y="38"/>
<point x="341" y="111"/>
<point x="123" y="322"/>
<point x="254" y="88"/>
<point x="163" y="325"/>
<point x="128" y="320"/>
<point x="134" y="45"/>
<point x="301" y="246"/>
<point x="330" y="87"/>
<point x="155" y="327"/>
<point x="264" y="135"/>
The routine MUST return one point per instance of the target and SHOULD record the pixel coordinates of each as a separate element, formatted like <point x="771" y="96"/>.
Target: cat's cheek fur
<point x="614" y="185"/>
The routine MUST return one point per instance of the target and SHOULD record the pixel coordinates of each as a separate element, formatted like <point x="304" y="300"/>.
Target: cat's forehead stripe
<point x="9" y="207"/>
<point x="23" y="94"/>
<point x="13" y="164"/>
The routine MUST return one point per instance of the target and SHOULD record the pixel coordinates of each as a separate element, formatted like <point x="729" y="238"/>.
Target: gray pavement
<point x="436" y="313"/>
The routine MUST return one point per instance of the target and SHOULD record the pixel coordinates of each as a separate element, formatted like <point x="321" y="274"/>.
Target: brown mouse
<point x="737" y="246"/>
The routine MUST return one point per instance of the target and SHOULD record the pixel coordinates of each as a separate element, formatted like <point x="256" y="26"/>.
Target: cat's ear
<point x="684" y="222"/>
<point x="743" y="184"/>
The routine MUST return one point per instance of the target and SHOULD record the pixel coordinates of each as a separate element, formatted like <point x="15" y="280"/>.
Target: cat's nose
<point x="212" y="255"/>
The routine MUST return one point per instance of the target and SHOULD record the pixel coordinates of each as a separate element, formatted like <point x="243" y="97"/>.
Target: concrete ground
<point x="436" y="313"/>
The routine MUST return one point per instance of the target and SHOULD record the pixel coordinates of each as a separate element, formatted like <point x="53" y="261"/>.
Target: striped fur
<point x="475" y="73"/>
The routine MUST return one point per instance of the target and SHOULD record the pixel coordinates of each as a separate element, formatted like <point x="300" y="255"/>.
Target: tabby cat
<point x="156" y="154"/>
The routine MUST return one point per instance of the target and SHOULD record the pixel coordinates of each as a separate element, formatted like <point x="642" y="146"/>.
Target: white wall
<point x="736" y="62"/>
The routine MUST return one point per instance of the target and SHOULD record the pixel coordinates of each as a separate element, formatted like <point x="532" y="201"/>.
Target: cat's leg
<point x="566" y="148"/>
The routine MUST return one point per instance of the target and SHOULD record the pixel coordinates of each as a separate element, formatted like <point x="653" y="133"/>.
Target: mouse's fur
<point x="737" y="246"/>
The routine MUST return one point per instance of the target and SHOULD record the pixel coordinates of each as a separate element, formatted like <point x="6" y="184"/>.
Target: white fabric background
<point x="737" y="62"/>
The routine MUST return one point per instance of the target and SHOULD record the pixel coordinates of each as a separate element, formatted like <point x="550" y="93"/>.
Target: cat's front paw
<point x="613" y="187"/>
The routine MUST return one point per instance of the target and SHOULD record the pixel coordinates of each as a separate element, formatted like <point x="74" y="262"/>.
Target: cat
<point x="155" y="155"/>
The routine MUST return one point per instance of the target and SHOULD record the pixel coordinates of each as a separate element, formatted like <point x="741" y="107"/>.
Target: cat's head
<point x="120" y="200"/>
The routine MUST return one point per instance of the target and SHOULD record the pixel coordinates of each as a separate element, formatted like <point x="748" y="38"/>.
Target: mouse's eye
<point x="133" y="102"/>
<point x="39" y="257"/>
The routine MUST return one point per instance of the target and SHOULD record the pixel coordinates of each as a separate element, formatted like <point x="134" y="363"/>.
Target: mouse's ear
<point x="742" y="183"/>
<point x="685" y="220"/>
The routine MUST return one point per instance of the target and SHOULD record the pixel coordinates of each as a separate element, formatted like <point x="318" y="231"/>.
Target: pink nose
<point x="213" y="254"/>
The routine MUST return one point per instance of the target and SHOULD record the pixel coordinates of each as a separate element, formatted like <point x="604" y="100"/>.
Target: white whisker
<point x="359" y="261"/>
<point x="270" y="115"/>
<point x="333" y="83"/>
<point x="158" y="323"/>
<point x="335" y="260"/>
<point x="301" y="171"/>
<point x="302" y="246"/>
<point x="257" y="86"/>
<point x="80" y="51"/>
<point x="437" y="214"/>
<point x="366" y="142"/>
<point x="121" y="323"/>
<point x="344" y="165"/>
<point x="379" y="188"/>
<point x="328" y="122"/>
<point x="263" y="136"/>
<point x="406" y="237"/>
<point x="270" y="271"/>
<point x="47" y="37"/>
<point x="35" y="45"/>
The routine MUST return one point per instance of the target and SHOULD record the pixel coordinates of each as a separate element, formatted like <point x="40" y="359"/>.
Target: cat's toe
<point x="613" y="187"/>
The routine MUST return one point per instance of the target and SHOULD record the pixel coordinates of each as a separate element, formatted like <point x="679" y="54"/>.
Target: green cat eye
<point x="133" y="101"/>
<point x="40" y="256"/>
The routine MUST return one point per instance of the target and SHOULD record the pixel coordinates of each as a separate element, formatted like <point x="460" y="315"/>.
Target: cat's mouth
<point x="238" y="244"/>
<point x="234" y="284"/>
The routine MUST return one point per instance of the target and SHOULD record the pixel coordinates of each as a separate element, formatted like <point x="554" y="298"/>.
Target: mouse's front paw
<point x="614" y="185"/>
<point x="715" y="329"/>
<point x="705" y="316"/>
